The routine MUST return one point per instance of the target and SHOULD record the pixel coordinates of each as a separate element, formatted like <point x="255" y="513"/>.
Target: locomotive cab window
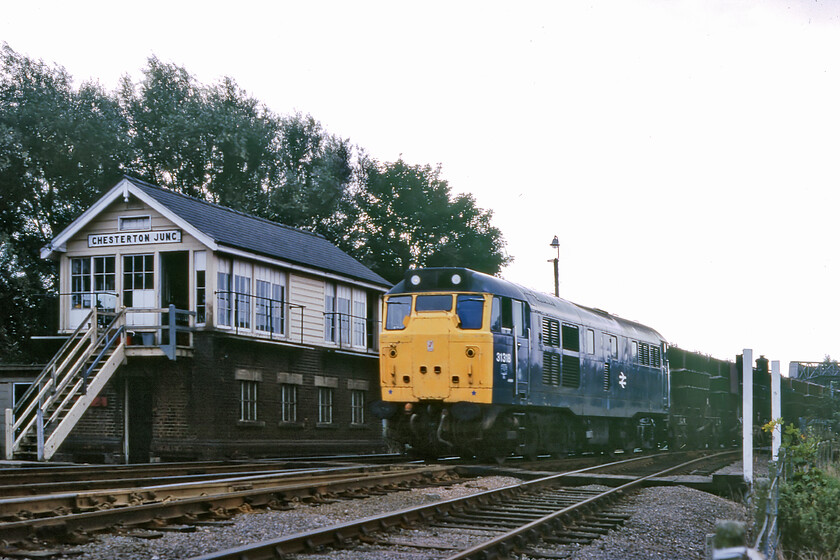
<point x="521" y="318"/>
<point x="502" y="315"/>
<point x="470" y="309"/>
<point x="613" y="346"/>
<point x="397" y="310"/>
<point x="433" y="303"/>
<point x="590" y="341"/>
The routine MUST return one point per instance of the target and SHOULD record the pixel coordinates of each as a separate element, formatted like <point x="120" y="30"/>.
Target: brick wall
<point x="195" y="412"/>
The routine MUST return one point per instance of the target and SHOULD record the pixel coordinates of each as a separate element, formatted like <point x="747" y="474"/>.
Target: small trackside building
<point x="230" y="336"/>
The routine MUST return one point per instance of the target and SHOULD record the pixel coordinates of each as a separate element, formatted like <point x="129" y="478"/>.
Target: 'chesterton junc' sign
<point x="140" y="238"/>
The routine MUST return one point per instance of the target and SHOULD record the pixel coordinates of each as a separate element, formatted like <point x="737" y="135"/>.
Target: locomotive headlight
<point x="415" y="280"/>
<point x="392" y="352"/>
<point x="456" y="279"/>
<point x="471" y="352"/>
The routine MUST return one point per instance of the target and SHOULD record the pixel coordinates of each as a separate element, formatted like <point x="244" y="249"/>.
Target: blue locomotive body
<point x="561" y="377"/>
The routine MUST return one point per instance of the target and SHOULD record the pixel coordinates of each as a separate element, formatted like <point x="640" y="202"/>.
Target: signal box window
<point x="357" y="407"/>
<point x="93" y="282"/>
<point x="248" y="401"/>
<point x="396" y="310"/>
<point x="288" y="402"/>
<point x="325" y="405"/>
<point x="470" y="311"/>
<point x="138" y="280"/>
<point x="135" y="223"/>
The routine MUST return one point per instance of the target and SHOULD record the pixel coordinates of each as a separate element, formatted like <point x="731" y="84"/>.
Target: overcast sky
<point x="685" y="153"/>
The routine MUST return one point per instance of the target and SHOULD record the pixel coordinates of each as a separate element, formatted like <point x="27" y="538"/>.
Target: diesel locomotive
<point x="473" y="365"/>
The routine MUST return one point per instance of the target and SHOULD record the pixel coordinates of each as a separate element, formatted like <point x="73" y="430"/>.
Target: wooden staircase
<point x="61" y="394"/>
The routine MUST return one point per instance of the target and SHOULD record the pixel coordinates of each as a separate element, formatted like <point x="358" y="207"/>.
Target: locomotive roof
<point x="437" y="279"/>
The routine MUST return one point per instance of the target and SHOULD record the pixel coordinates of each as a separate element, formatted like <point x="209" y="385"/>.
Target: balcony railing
<point x="270" y="316"/>
<point x="340" y="328"/>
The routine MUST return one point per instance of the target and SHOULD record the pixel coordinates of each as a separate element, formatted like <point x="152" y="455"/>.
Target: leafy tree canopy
<point x="409" y="218"/>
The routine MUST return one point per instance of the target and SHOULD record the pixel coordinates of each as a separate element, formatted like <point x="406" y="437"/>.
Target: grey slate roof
<point x="257" y="235"/>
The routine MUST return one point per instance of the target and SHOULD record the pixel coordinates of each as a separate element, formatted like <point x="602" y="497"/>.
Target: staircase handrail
<point x="77" y="367"/>
<point x="108" y="343"/>
<point x="73" y="356"/>
<point x="58" y="380"/>
<point x="49" y="368"/>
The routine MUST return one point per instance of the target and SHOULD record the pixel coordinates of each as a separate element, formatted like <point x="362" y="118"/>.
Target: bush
<point x="809" y="500"/>
<point x="809" y="513"/>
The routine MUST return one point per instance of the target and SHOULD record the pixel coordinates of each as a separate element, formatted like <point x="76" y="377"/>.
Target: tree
<point x="408" y="218"/>
<point x="212" y="142"/>
<point x="59" y="147"/>
<point x="317" y="171"/>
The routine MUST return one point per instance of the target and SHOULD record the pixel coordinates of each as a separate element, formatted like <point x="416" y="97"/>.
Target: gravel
<point x="668" y="523"/>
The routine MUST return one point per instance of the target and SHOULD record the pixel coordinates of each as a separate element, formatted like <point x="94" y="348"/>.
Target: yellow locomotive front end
<point x="436" y="347"/>
<point x="445" y="359"/>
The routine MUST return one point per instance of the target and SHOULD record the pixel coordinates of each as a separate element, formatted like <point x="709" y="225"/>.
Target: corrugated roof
<point x="257" y="235"/>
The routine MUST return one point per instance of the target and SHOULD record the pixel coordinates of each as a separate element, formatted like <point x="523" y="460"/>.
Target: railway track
<point x="486" y="525"/>
<point x="60" y="515"/>
<point x="36" y="478"/>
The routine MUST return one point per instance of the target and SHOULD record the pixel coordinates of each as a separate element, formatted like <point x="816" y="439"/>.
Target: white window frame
<point x="325" y="405"/>
<point x="89" y="293"/>
<point x="270" y="283"/>
<point x="134" y="223"/>
<point x="359" y="319"/>
<point x="224" y="297"/>
<point x="330" y="321"/>
<point x="344" y="308"/>
<point x="248" y="399"/>
<point x="200" y="270"/>
<point x="243" y="302"/>
<point x="288" y="402"/>
<point x="357" y="407"/>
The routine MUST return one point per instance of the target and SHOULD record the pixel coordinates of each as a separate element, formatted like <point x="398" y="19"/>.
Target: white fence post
<point x="776" y="405"/>
<point x="10" y="434"/>
<point x="747" y="424"/>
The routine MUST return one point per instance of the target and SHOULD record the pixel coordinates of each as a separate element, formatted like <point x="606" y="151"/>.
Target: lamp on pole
<point x="556" y="244"/>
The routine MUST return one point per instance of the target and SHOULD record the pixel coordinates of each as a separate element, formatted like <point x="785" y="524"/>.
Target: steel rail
<point x="121" y="496"/>
<point x="218" y="504"/>
<point x="503" y="545"/>
<point x="340" y="535"/>
<point x="29" y="473"/>
<point x="143" y="477"/>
